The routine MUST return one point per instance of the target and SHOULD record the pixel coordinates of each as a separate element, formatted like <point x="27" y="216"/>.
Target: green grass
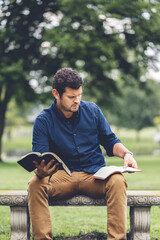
<point x="141" y="144"/>
<point x="19" y="143"/>
<point x="89" y="219"/>
<point x="4" y="223"/>
<point x="13" y="176"/>
<point x="86" y="219"/>
<point x="149" y="179"/>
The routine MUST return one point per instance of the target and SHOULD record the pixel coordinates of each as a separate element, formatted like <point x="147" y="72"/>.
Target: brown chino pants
<point x="62" y="185"/>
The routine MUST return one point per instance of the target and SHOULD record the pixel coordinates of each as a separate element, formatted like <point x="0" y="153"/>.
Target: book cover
<point x="26" y="161"/>
<point x="107" y="171"/>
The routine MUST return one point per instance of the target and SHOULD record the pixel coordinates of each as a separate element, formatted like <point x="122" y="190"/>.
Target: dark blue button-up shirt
<point x="76" y="140"/>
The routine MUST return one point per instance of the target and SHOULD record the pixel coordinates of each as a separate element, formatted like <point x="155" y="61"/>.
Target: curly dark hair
<point x="66" y="77"/>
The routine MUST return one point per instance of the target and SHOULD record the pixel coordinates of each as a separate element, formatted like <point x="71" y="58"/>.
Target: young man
<point x="74" y="130"/>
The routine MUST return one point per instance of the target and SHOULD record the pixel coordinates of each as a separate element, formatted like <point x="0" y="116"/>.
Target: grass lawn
<point x="86" y="219"/>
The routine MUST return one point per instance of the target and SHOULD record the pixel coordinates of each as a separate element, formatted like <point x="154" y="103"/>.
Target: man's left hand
<point x="129" y="161"/>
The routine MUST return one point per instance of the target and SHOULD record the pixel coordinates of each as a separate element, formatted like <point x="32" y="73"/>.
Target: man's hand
<point x="129" y="161"/>
<point x="121" y="151"/>
<point x="43" y="170"/>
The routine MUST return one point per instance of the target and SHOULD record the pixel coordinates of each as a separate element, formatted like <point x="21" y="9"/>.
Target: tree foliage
<point x="104" y="40"/>
<point x="108" y="40"/>
<point x="19" y="51"/>
<point x="138" y="108"/>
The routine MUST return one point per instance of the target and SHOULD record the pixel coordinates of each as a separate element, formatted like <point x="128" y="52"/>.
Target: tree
<point x="137" y="109"/>
<point x="20" y="41"/>
<point x="104" y="40"/>
<point x="15" y="117"/>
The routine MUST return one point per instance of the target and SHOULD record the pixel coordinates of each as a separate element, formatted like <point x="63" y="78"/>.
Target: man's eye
<point x="71" y="97"/>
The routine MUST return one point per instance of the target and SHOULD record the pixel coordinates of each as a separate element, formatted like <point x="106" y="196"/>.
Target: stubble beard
<point x="71" y="110"/>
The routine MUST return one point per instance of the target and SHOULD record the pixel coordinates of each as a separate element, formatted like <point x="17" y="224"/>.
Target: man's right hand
<point x="43" y="170"/>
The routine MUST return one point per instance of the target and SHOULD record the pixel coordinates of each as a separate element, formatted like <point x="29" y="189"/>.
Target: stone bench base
<point x="140" y="203"/>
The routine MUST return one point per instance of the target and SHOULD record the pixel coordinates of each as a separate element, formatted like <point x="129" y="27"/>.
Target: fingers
<point x="125" y="166"/>
<point x="133" y="164"/>
<point x="52" y="162"/>
<point x="48" y="169"/>
<point x="36" y="164"/>
<point x="54" y="168"/>
<point x="129" y="161"/>
<point x="43" y="164"/>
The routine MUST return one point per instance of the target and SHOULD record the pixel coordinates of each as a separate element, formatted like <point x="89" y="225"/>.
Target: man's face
<point x="69" y="101"/>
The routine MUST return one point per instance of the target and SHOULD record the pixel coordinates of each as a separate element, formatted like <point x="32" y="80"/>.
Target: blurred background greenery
<point x="114" y="45"/>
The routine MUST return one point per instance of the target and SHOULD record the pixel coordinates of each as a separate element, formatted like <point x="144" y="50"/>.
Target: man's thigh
<point x="90" y="186"/>
<point x="99" y="188"/>
<point x="62" y="185"/>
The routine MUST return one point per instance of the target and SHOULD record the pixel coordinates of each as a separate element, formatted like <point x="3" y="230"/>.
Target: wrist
<point x="128" y="152"/>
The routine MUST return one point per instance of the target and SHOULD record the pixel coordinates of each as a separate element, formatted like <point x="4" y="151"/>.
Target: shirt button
<point x="74" y="134"/>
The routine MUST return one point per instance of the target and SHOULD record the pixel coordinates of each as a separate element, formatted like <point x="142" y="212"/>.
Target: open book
<point x="105" y="172"/>
<point x="26" y="161"/>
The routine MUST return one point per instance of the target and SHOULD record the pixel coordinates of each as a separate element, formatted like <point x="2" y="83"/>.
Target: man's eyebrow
<point x="71" y="95"/>
<point x="74" y="95"/>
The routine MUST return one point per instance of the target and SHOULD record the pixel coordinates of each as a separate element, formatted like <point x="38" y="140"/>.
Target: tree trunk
<point x="2" y="125"/>
<point x="3" y="109"/>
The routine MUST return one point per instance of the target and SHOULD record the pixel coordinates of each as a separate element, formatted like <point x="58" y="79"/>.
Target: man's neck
<point x="65" y="113"/>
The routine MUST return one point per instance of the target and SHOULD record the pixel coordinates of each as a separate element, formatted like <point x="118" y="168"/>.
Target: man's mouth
<point x="75" y="106"/>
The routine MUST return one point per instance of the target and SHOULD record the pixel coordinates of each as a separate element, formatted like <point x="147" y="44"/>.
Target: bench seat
<point x="139" y="202"/>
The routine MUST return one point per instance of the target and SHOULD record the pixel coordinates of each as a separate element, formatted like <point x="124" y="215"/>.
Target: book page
<point x="105" y="172"/>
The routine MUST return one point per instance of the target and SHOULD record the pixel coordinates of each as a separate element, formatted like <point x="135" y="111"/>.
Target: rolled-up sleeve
<point x="106" y="136"/>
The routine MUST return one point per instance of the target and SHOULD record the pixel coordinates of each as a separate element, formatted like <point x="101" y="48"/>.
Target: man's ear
<point x="56" y="94"/>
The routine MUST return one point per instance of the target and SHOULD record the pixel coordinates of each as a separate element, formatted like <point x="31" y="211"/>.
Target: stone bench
<point x="140" y="203"/>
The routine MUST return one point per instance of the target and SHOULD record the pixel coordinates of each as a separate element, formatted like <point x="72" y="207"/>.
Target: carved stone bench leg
<point x="140" y="223"/>
<point x="20" y="223"/>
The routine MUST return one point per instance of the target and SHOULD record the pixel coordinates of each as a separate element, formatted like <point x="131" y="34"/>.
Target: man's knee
<point x="117" y="181"/>
<point x="36" y="183"/>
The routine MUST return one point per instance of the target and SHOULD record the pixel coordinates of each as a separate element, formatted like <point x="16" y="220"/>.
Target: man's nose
<point x="77" y="99"/>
